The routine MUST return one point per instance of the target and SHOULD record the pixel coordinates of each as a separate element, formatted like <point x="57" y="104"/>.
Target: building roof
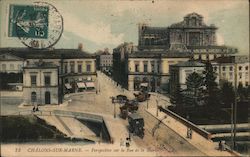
<point x="231" y="59"/>
<point x="28" y="53"/>
<point x="41" y="65"/>
<point x="155" y="30"/>
<point x="160" y="54"/>
<point x="215" y="48"/>
<point x="190" y="63"/>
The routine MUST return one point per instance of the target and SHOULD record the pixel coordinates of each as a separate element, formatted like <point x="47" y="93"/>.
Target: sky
<point x="98" y="24"/>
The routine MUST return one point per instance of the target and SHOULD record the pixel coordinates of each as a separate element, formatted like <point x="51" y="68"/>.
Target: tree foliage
<point x="193" y="93"/>
<point x="211" y="91"/>
<point x="194" y="83"/>
<point x="227" y="94"/>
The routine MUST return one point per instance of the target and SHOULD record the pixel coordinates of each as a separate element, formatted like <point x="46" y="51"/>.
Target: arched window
<point x="3" y="67"/>
<point x="199" y="56"/>
<point x="33" y="97"/>
<point x="147" y="42"/>
<point x="240" y="67"/>
<point x="179" y="38"/>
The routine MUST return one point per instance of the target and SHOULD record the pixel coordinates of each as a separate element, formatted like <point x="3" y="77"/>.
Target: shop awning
<point x="90" y="84"/>
<point x="89" y="78"/>
<point x="80" y="85"/>
<point x="144" y="84"/>
<point x="68" y="86"/>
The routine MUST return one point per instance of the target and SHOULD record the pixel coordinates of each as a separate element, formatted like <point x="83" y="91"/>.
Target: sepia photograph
<point x="121" y="78"/>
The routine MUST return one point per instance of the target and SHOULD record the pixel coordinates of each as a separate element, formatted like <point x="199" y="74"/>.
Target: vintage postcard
<point x="124" y="78"/>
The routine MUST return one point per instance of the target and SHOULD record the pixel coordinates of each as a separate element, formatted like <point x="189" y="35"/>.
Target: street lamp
<point x="147" y="102"/>
<point x="113" y="102"/>
<point x="157" y="112"/>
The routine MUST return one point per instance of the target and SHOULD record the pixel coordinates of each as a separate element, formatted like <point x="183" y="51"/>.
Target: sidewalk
<point x="206" y="146"/>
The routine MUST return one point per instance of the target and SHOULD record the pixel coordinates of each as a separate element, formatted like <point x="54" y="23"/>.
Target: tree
<point x="194" y="87"/>
<point x="242" y="92"/>
<point x="227" y="94"/>
<point x="211" y="91"/>
<point x="194" y="82"/>
<point x="176" y="97"/>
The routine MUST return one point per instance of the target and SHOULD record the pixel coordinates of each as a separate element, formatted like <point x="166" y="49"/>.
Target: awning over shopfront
<point x="144" y="84"/>
<point x="68" y="86"/>
<point x="90" y="84"/>
<point x="80" y="85"/>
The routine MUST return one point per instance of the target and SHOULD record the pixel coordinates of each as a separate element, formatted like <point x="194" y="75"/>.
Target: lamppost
<point x="113" y="102"/>
<point x="147" y="102"/>
<point x="157" y="112"/>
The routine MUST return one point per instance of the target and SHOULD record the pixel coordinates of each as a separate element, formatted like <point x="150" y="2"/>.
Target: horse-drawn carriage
<point x="136" y="124"/>
<point x="129" y="106"/>
<point x="142" y="96"/>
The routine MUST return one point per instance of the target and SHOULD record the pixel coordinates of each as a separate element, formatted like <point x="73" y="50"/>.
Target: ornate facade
<point x="160" y="47"/>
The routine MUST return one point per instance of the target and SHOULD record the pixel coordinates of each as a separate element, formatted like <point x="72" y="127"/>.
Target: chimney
<point x="80" y="46"/>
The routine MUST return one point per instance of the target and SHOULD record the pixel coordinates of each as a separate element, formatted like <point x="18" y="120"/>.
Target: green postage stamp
<point x="28" y="21"/>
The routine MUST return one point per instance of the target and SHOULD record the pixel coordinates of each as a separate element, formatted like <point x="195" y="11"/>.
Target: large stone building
<point x="104" y="61"/>
<point x="10" y="63"/>
<point x="74" y="65"/>
<point x="179" y="73"/>
<point x="40" y="83"/>
<point x="158" y="47"/>
<point x="191" y="33"/>
<point x="234" y="69"/>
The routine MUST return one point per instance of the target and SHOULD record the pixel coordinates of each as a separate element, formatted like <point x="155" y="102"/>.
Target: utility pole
<point x="235" y="105"/>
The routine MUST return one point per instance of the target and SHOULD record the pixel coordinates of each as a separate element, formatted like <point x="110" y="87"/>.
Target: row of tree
<point x="203" y="90"/>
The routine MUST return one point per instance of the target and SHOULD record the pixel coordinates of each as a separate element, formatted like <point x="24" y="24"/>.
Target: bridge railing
<point x="189" y="124"/>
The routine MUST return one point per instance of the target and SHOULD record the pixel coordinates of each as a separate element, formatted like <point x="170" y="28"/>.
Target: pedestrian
<point x="190" y="133"/>
<point x="127" y="142"/>
<point x="34" y="109"/>
<point x="220" y="145"/>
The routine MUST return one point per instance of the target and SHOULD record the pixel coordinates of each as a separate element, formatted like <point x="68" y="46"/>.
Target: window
<point x="230" y="75"/>
<point x="158" y="67"/>
<point x="223" y="68"/>
<point x="79" y="68"/>
<point x="33" y="80"/>
<point x="145" y="67"/>
<point x="33" y="97"/>
<point x="88" y="68"/>
<point x="136" y="67"/>
<point x="72" y="67"/>
<point x="246" y="68"/>
<point x="240" y="67"/>
<point x="4" y="67"/>
<point x="246" y="75"/>
<point x="11" y="66"/>
<point x="47" y="80"/>
<point x="152" y="67"/>
<point x="231" y="68"/>
<point x="246" y="83"/>
<point x="223" y="75"/>
<point x="199" y="56"/>
<point x="66" y="68"/>
<point x="19" y="67"/>
<point x="215" y="68"/>
<point x="207" y="56"/>
<point x="215" y="56"/>
<point x="240" y="75"/>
